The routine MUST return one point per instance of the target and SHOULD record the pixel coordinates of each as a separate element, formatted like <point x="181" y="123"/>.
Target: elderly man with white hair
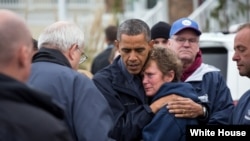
<point x="54" y="71"/>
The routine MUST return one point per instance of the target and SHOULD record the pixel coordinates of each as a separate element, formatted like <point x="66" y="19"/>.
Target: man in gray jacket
<point x="87" y="112"/>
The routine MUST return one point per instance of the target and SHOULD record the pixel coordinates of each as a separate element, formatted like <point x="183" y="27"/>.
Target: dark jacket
<point x="166" y="126"/>
<point x="127" y="100"/>
<point x="28" y="115"/>
<point x="212" y="89"/>
<point x="87" y="112"/>
<point x="241" y="113"/>
<point x="101" y="60"/>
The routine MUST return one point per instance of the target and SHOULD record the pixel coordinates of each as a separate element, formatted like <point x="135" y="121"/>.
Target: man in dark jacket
<point x="25" y="114"/>
<point x="241" y="113"/>
<point x="102" y="59"/>
<point x="121" y="84"/>
<point x="61" y="49"/>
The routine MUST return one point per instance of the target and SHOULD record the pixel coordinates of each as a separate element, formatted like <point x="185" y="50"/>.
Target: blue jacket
<point x="241" y="113"/>
<point x="127" y="100"/>
<point x="212" y="89"/>
<point x="166" y="126"/>
<point x="87" y="112"/>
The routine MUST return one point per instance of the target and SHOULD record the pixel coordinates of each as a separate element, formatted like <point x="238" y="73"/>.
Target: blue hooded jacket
<point x="164" y="124"/>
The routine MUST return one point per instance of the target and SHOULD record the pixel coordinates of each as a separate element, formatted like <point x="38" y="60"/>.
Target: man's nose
<point x="235" y="57"/>
<point x="186" y="42"/>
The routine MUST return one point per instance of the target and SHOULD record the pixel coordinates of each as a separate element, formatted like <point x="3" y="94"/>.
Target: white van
<point x="217" y="50"/>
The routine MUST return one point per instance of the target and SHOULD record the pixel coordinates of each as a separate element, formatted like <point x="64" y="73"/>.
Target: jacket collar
<point x="196" y="64"/>
<point x="122" y="79"/>
<point x="51" y="55"/>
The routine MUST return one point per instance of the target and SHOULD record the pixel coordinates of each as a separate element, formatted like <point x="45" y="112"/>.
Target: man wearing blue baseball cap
<point x="211" y="87"/>
<point x="184" y="23"/>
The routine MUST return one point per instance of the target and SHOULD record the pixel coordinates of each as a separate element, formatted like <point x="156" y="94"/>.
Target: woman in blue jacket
<point x="160" y="78"/>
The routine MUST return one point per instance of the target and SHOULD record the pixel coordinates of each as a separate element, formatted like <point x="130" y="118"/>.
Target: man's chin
<point x="134" y="71"/>
<point x="242" y="74"/>
<point x="186" y="58"/>
<point x="149" y="94"/>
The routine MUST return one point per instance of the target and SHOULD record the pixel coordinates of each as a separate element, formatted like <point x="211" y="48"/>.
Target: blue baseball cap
<point x="184" y="23"/>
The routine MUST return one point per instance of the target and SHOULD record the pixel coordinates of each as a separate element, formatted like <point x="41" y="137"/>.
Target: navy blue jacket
<point x="87" y="112"/>
<point x="166" y="126"/>
<point x="127" y="100"/>
<point x="213" y="90"/>
<point x="241" y="113"/>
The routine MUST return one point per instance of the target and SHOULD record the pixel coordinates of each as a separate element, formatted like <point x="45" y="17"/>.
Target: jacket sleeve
<point x="128" y="123"/>
<point x="240" y="114"/>
<point x="91" y="112"/>
<point x="166" y="126"/>
<point x="220" y="99"/>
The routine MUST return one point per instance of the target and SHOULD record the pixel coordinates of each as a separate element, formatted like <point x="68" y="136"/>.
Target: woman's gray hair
<point x="134" y="27"/>
<point x="61" y="35"/>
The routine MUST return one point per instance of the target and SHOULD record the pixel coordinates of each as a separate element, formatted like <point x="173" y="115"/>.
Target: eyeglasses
<point x="83" y="58"/>
<point x="181" y="40"/>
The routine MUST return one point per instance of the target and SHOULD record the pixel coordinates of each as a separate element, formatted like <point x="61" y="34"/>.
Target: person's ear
<point x="169" y="43"/>
<point x="169" y="77"/>
<point x="116" y="43"/>
<point x="151" y="43"/>
<point x="24" y="56"/>
<point x="73" y="51"/>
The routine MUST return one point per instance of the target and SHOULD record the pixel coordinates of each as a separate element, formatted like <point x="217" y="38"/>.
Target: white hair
<point x="61" y="35"/>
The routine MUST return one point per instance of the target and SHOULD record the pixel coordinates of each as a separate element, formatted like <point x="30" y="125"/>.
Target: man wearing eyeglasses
<point x="54" y="71"/>
<point x="207" y="80"/>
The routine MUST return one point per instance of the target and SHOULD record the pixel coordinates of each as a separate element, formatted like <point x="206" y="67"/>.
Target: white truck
<point x="217" y="50"/>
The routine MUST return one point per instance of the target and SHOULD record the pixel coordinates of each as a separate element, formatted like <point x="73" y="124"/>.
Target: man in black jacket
<point x="25" y="114"/>
<point x="102" y="59"/>
<point x="121" y="84"/>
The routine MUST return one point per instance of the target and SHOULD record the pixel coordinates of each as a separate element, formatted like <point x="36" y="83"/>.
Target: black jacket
<point x="128" y="103"/>
<point x="101" y="60"/>
<point x="27" y="115"/>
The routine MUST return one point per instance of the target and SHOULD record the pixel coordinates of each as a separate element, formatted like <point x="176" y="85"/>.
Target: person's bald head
<point x="15" y="45"/>
<point x="13" y="33"/>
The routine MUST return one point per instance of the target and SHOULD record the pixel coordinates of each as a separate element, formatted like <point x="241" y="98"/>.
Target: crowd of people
<point x="151" y="85"/>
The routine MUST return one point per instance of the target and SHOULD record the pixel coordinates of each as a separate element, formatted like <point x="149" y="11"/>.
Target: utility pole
<point x="61" y="10"/>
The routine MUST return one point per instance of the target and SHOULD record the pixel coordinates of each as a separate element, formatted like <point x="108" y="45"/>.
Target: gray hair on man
<point x="134" y="27"/>
<point x="61" y="35"/>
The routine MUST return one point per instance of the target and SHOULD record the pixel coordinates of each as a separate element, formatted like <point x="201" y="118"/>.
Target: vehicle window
<point x="216" y="56"/>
